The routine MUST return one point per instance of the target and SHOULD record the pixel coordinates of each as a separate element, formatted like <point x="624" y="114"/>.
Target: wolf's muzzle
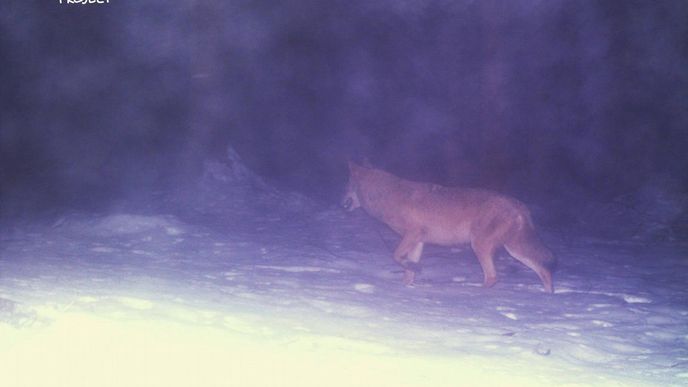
<point x="347" y="204"/>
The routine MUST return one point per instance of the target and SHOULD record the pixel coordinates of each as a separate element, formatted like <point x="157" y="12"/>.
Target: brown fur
<point x="429" y="213"/>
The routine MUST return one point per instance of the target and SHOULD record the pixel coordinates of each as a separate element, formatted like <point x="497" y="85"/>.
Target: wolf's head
<point x="350" y="200"/>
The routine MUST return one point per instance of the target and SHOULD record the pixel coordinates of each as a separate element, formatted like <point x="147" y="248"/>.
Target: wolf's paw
<point x="409" y="277"/>
<point x="489" y="282"/>
<point x="412" y="266"/>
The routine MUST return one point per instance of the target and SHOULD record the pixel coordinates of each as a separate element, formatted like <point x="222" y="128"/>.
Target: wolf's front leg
<point x="408" y="255"/>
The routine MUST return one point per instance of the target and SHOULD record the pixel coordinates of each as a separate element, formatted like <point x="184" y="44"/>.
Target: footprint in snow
<point x="102" y="249"/>
<point x="298" y="269"/>
<point x="365" y="288"/>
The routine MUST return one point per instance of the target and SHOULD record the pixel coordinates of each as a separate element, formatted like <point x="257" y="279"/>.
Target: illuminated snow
<point x="231" y="294"/>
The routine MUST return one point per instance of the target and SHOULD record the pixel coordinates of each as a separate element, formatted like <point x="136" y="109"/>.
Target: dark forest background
<point x="560" y="103"/>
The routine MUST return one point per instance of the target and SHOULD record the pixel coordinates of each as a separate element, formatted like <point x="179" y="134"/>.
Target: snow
<point x="236" y="283"/>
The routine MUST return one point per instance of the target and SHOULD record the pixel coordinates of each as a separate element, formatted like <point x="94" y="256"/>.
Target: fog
<point x="559" y="103"/>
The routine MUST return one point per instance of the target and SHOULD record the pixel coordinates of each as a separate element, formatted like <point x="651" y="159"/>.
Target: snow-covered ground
<point x="237" y="284"/>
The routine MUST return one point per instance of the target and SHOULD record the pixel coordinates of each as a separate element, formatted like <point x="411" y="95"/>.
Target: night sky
<point x="550" y="101"/>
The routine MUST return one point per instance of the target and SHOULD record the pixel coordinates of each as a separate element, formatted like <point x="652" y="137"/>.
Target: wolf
<point x="430" y="213"/>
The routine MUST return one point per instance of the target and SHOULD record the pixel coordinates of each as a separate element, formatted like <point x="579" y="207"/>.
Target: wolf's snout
<point x="348" y="202"/>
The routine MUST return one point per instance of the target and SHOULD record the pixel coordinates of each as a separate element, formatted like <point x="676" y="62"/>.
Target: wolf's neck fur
<point x="381" y="192"/>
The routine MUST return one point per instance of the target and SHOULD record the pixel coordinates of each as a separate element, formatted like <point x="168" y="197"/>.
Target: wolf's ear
<point x="354" y="168"/>
<point x="351" y="164"/>
<point x="356" y="164"/>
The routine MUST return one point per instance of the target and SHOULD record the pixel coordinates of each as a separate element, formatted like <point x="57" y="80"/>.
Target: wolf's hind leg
<point x="484" y="251"/>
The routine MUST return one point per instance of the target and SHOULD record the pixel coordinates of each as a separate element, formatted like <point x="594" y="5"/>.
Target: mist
<point x="559" y="103"/>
